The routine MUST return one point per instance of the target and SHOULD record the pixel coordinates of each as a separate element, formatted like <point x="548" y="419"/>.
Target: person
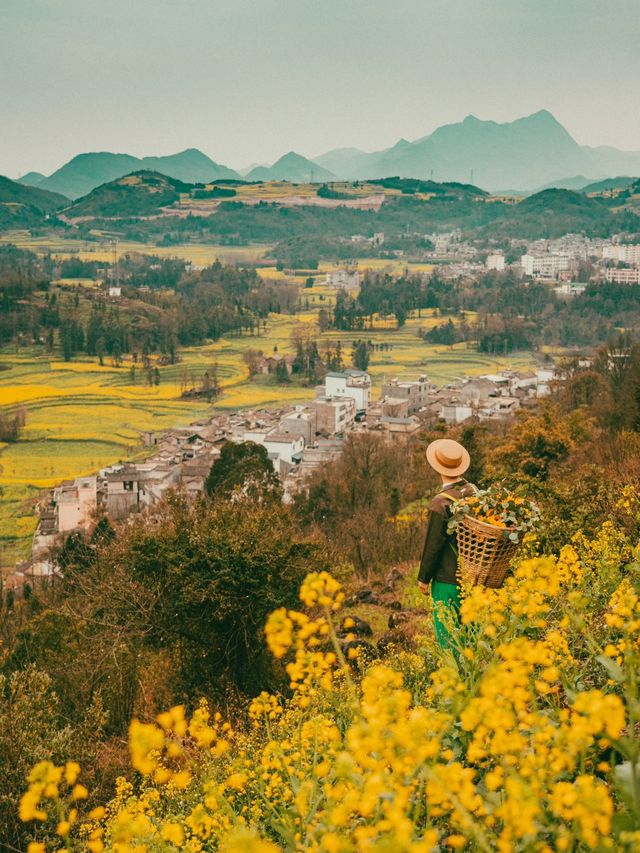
<point x="439" y="564"/>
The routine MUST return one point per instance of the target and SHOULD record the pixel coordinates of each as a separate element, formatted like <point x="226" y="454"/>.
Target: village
<point x="298" y="441"/>
<point x="569" y="262"/>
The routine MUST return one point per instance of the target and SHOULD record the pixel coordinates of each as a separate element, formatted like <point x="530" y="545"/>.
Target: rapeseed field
<point x="521" y="738"/>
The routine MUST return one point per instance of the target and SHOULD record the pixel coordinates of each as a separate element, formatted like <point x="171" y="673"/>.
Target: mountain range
<point x="85" y="172"/>
<point x="525" y="155"/>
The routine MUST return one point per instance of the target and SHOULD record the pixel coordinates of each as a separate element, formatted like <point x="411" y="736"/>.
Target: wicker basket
<point x="484" y="553"/>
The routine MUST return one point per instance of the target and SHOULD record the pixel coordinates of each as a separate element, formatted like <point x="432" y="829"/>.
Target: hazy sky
<point x="248" y="80"/>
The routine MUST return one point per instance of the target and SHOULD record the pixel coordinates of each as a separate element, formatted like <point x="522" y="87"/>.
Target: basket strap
<point x="449" y="497"/>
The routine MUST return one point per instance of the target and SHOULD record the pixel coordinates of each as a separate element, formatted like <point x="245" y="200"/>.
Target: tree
<point x="252" y="358"/>
<point x="10" y="425"/>
<point x="208" y="574"/>
<point x="324" y="320"/>
<point x="282" y="372"/>
<point x="243" y="471"/>
<point x="360" y="356"/>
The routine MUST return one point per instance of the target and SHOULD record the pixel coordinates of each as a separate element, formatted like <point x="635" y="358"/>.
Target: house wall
<point x="304" y="427"/>
<point x="334" y="416"/>
<point x="341" y="386"/>
<point x="285" y="450"/>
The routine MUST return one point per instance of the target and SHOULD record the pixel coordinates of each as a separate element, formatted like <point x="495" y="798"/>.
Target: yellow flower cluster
<point x="624" y="620"/>
<point x="320" y="588"/>
<point x="498" y="748"/>
<point x="54" y="792"/>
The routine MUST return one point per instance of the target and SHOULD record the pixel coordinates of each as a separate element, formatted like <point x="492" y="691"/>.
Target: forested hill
<point x="138" y="194"/>
<point x="238" y="212"/>
<point x="22" y="206"/>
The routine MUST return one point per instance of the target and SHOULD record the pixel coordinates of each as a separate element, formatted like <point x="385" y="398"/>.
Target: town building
<point x="349" y="383"/>
<point x="399" y="428"/>
<point x="72" y="506"/>
<point x="544" y="265"/>
<point x="75" y="503"/>
<point x="495" y="261"/>
<point x="622" y="252"/>
<point x="416" y="391"/>
<point x="334" y="415"/>
<point x="569" y="290"/>
<point x="281" y="446"/>
<point x="622" y="275"/>
<point x="270" y="363"/>
<point x="455" y="413"/>
<point x="343" y="280"/>
<point x="302" y="421"/>
<point x="391" y="407"/>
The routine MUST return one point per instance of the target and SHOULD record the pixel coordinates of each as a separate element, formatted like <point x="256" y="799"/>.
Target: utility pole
<point x="115" y="275"/>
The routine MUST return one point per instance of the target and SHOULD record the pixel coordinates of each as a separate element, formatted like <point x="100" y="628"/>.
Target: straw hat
<point x="448" y="457"/>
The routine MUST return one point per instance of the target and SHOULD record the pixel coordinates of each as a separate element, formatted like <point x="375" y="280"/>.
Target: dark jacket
<point x="439" y="560"/>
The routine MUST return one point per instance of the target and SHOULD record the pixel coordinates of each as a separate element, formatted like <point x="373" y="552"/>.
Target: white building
<point x="544" y="265"/>
<point x="115" y="291"/>
<point x="495" y="261"/>
<point x="281" y="446"/>
<point x="453" y="413"/>
<point x="622" y="275"/>
<point x="350" y="383"/>
<point x="628" y="254"/>
<point x="75" y="502"/>
<point x="569" y="289"/>
<point x="343" y="279"/>
<point x="284" y="449"/>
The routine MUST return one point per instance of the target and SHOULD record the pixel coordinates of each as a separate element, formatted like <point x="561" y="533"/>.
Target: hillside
<point x="138" y="194"/>
<point x="13" y="192"/>
<point x="292" y="167"/>
<point x="554" y="212"/>
<point x="26" y="207"/>
<point x="607" y="184"/>
<point x="422" y="206"/>
<point x="576" y="183"/>
<point x="85" y="172"/>
<point x="31" y="179"/>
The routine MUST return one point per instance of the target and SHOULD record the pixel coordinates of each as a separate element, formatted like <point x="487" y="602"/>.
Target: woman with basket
<point x="439" y="564"/>
<point x="472" y="535"/>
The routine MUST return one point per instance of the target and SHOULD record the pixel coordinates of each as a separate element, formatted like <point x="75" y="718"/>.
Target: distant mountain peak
<point x="88" y="170"/>
<point x="544" y="115"/>
<point x="292" y="167"/>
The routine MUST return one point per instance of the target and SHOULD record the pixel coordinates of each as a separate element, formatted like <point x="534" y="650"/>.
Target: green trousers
<point x="446" y="606"/>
